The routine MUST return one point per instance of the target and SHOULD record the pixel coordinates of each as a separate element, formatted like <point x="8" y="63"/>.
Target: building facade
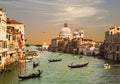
<point x="15" y="35"/>
<point x="75" y="44"/>
<point x="12" y="40"/>
<point x="112" y="43"/>
<point x="3" y="39"/>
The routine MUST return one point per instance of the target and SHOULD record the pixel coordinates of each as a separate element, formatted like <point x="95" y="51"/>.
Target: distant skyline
<point x="43" y="19"/>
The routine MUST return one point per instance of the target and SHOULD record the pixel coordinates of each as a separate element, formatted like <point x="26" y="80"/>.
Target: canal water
<point x="60" y="73"/>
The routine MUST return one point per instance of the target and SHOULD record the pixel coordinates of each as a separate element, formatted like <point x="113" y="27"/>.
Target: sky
<point x="43" y="19"/>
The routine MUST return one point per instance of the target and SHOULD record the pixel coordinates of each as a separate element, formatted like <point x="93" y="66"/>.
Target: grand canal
<point x="60" y="73"/>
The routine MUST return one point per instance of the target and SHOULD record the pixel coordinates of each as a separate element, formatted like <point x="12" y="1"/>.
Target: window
<point x="9" y="37"/>
<point x="111" y="33"/>
<point x="4" y="44"/>
<point x="14" y="37"/>
<point x="110" y="48"/>
<point x="117" y="48"/>
<point x="0" y="58"/>
<point x="117" y="28"/>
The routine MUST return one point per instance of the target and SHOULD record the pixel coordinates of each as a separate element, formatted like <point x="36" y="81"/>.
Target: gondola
<point x="35" y="64"/>
<point x="78" y="65"/>
<point x="34" y="75"/>
<point x="54" y="60"/>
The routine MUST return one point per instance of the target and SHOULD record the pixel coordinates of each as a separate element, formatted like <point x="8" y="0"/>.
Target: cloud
<point x="58" y="10"/>
<point x="78" y="9"/>
<point x="72" y="13"/>
<point x="95" y="1"/>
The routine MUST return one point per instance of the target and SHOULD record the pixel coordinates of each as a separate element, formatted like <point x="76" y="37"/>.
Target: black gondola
<point x="54" y="60"/>
<point x="34" y="75"/>
<point x="35" y="64"/>
<point x="78" y="65"/>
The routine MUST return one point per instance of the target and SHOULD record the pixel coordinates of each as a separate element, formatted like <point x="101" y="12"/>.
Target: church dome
<point x="65" y="32"/>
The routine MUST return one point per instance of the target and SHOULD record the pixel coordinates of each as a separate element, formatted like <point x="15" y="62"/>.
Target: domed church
<point x="65" y="32"/>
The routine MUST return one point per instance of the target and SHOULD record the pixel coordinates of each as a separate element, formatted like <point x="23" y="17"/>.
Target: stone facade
<point x="75" y="45"/>
<point x="3" y="39"/>
<point x="15" y="35"/>
<point x="112" y="44"/>
<point x="12" y="39"/>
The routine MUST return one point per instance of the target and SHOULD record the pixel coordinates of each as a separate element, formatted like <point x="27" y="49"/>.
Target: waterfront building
<point x="55" y="44"/>
<point x="11" y="39"/>
<point x="44" y="46"/>
<point x="59" y="43"/>
<point x="112" y="43"/>
<point x="102" y="50"/>
<point x="76" y="45"/>
<point x="87" y="41"/>
<point x="3" y="39"/>
<point x="85" y="46"/>
<point x="16" y="39"/>
<point x="94" y="51"/>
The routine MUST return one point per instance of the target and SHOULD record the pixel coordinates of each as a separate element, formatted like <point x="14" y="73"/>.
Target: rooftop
<point x="3" y="9"/>
<point x="11" y="21"/>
